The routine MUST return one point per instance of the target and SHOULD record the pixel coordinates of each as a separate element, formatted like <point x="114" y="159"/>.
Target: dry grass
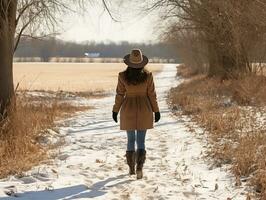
<point x="186" y="72"/>
<point x="20" y="132"/>
<point x="61" y="95"/>
<point x="233" y="113"/>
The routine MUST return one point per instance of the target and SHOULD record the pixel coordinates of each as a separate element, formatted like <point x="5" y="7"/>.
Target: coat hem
<point x="129" y="129"/>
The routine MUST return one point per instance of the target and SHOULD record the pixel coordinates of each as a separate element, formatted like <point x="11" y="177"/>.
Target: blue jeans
<point x="131" y="139"/>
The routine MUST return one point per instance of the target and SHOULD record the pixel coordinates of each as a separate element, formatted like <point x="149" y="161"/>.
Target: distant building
<point x="92" y="55"/>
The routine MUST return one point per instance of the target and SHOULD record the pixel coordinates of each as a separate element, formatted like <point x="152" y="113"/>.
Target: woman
<point x="136" y="97"/>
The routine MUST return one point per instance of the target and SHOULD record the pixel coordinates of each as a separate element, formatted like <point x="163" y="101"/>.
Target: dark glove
<point x="157" y="116"/>
<point x="115" y="116"/>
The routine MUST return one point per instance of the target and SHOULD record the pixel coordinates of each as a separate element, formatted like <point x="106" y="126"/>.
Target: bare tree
<point x="7" y="33"/>
<point x="32" y="18"/>
<point x="230" y="29"/>
<point x="189" y="47"/>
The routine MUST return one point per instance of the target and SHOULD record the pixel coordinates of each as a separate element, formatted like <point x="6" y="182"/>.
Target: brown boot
<point x="140" y="160"/>
<point x="131" y="161"/>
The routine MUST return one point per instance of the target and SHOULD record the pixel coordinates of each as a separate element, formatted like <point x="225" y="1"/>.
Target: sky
<point x="97" y="25"/>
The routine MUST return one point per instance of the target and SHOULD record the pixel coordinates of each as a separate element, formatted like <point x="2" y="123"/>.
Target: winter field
<point x="69" y="76"/>
<point x="91" y="163"/>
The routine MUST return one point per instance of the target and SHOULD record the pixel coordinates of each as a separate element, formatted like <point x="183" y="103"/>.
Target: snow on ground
<point x="92" y="163"/>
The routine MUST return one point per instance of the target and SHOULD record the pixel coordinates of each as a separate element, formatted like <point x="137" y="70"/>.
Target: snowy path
<point x="92" y="163"/>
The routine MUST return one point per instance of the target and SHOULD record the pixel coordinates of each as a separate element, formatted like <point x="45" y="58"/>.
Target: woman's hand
<point x="115" y="116"/>
<point x="157" y="116"/>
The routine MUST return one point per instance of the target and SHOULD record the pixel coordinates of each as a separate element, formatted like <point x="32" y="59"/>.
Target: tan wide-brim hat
<point x="136" y="59"/>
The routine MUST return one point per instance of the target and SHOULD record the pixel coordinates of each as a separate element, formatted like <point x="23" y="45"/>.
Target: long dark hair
<point x="135" y="76"/>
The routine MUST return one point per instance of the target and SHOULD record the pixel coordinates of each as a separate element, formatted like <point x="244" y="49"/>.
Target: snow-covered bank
<point x="92" y="163"/>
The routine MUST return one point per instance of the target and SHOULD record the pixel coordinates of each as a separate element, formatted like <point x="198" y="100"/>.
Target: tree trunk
<point x="7" y="32"/>
<point x="215" y="66"/>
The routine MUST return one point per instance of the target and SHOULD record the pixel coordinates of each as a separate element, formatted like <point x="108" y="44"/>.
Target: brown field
<point x="70" y="76"/>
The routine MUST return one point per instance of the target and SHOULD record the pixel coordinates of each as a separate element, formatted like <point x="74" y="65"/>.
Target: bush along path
<point x="91" y="164"/>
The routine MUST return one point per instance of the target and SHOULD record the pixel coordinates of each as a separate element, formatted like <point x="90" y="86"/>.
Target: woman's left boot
<point x="131" y="161"/>
<point x="140" y="160"/>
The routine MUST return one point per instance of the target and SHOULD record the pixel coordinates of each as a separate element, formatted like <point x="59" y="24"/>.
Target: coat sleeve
<point x="152" y="94"/>
<point x="120" y="94"/>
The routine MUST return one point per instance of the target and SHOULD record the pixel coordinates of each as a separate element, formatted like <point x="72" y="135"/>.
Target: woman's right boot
<point x="131" y="161"/>
<point x="140" y="160"/>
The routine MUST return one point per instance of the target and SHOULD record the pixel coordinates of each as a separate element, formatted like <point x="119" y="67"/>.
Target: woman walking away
<point x="136" y="99"/>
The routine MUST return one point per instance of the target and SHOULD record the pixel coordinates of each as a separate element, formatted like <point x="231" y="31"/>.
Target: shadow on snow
<point x="73" y="192"/>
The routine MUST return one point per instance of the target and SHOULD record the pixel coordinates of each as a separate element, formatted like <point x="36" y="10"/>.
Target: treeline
<point x="51" y="47"/>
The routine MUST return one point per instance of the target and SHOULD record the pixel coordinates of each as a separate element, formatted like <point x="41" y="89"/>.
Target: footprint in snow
<point x="28" y="180"/>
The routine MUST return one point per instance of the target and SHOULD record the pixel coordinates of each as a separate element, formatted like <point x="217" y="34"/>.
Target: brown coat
<point x="137" y="103"/>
